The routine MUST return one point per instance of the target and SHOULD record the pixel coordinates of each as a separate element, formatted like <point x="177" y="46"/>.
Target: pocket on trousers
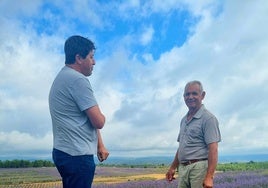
<point x="86" y="164"/>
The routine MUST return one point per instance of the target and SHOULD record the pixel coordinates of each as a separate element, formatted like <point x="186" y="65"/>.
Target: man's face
<point x="87" y="64"/>
<point x="193" y="96"/>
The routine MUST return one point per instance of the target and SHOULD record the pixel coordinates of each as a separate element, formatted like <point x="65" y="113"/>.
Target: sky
<point x="146" y="52"/>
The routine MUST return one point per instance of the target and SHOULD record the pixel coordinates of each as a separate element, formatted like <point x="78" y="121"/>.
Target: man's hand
<point x="208" y="182"/>
<point x="102" y="154"/>
<point x="170" y="175"/>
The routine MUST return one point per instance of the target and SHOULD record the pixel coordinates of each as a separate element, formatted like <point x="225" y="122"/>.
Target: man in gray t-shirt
<point x="70" y="95"/>
<point x="197" y="155"/>
<point x="76" y="117"/>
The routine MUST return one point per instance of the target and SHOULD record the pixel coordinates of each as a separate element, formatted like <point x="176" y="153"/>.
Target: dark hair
<point x="77" y="45"/>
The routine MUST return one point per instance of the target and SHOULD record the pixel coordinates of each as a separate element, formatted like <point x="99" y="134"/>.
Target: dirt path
<point x="121" y="179"/>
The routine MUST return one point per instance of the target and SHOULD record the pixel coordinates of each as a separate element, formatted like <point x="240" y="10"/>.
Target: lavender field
<point x="222" y="180"/>
<point x="246" y="179"/>
<point x="123" y="177"/>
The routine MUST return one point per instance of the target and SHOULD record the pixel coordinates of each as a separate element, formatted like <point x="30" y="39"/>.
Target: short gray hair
<point x="194" y="82"/>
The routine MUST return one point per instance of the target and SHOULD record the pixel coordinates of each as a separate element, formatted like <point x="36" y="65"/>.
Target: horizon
<point x="152" y="159"/>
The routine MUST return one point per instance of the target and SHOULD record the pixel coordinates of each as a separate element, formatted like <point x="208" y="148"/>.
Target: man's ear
<point x="203" y="94"/>
<point x="78" y="59"/>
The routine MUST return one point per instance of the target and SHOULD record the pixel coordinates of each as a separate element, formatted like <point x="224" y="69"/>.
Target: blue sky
<point x="146" y="52"/>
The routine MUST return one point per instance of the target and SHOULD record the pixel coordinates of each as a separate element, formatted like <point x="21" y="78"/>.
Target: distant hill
<point x="243" y="158"/>
<point x="156" y="160"/>
<point x="139" y="160"/>
<point x="167" y="160"/>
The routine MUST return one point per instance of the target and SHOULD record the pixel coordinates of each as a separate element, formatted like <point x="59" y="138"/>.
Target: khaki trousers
<point x="192" y="176"/>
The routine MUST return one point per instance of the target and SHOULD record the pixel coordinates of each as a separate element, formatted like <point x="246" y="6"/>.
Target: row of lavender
<point x="257" y="179"/>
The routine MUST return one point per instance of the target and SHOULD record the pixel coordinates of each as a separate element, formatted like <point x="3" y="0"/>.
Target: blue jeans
<point x="76" y="171"/>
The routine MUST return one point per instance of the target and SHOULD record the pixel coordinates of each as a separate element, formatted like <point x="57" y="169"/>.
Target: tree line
<point x="25" y="163"/>
<point x="221" y="167"/>
<point x="243" y="166"/>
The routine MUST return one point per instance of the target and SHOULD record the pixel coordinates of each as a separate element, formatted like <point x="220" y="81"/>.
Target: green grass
<point x="23" y="176"/>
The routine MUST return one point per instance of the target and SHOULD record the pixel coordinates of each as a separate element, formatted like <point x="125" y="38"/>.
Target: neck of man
<point x="74" y="66"/>
<point x="192" y="112"/>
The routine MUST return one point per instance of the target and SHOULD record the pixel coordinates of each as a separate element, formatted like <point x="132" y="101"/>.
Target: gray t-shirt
<point x="70" y="95"/>
<point x="196" y="134"/>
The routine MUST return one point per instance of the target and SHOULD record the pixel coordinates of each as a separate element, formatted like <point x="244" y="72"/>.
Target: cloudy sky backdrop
<point x="146" y="52"/>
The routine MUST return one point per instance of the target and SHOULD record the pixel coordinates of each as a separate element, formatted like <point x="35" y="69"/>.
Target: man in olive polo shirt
<point x="197" y="155"/>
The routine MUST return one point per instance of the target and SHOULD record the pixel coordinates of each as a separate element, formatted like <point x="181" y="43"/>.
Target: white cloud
<point x="29" y="63"/>
<point x="17" y="8"/>
<point x="217" y="55"/>
<point x="142" y="102"/>
<point x="147" y="35"/>
<point x="16" y="142"/>
<point x="241" y="135"/>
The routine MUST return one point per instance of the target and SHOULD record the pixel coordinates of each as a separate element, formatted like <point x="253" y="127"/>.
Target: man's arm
<point x="102" y="151"/>
<point x="96" y="117"/>
<point x="171" y="171"/>
<point x="212" y="164"/>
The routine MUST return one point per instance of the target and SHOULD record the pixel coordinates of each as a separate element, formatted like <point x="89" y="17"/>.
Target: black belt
<point x="192" y="161"/>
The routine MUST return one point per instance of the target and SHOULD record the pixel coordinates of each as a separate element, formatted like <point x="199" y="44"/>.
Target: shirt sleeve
<point x="83" y="94"/>
<point x="212" y="131"/>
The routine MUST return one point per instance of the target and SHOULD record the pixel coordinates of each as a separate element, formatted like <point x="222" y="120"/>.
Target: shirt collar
<point x="199" y="113"/>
